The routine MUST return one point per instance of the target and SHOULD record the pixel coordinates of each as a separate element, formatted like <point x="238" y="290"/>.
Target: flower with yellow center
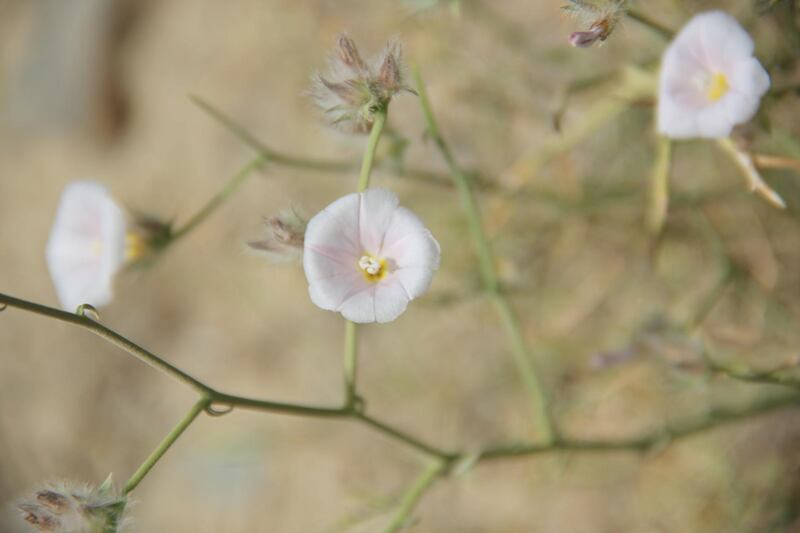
<point x="366" y="257"/>
<point x="710" y="80"/>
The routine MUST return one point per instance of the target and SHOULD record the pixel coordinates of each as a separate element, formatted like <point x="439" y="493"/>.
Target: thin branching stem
<point x="717" y="417"/>
<point x="390" y="431"/>
<point x="648" y="22"/>
<point x="519" y="348"/>
<point x="372" y="146"/>
<point x="350" y="348"/>
<point x="218" y="199"/>
<point x="324" y="165"/>
<point x="413" y="495"/>
<point x="111" y="336"/>
<point x="165" y="444"/>
<point x="209" y="398"/>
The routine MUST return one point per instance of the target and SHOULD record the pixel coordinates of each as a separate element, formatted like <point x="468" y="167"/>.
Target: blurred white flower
<point x="87" y="245"/>
<point x="710" y="80"/>
<point x="366" y="257"/>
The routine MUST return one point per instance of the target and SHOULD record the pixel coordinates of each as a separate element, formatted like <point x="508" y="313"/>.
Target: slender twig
<point x="519" y="349"/>
<point x="350" y="364"/>
<point x="646" y="21"/>
<point x="745" y="162"/>
<point x="686" y="428"/>
<point x="315" y="164"/>
<point x="659" y="193"/>
<point x="414" y="494"/>
<point x="210" y="397"/>
<point x="165" y="444"/>
<point x="776" y="161"/>
<point x="372" y="146"/>
<point x="404" y="437"/>
<point x="753" y="376"/>
<point x="350" y="328"/>
<point x="111" y="336"/>
<point x="218" y="199"/>
<point x="769" y="377"/>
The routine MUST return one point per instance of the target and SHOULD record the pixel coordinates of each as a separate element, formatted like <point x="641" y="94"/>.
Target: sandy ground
<point x="583" y="273"/>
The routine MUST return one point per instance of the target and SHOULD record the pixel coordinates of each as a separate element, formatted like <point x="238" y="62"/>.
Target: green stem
<point x="686" y="428"/>
<point x="210" y="397"/>
<point x="659" y="194"/>
<point x="372" y="146"/>
<point x="218" y="199"/>
<point x="350" y="330"/>
<point x="414" y="494"/>
<point x="165" y="444"/>
<point x="350" y="364"/>
<point x="403" y="437"/>
<point x="521" y="354"/>
<point x="109" y="335"/>
<point x="646" y="21"/>
<point x="526" y="368"/>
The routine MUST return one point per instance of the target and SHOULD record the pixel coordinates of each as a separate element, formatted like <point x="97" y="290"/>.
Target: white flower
<point x="366" y="257"/>
<point x="86" y="246"/>
<point x="710" y="80"/>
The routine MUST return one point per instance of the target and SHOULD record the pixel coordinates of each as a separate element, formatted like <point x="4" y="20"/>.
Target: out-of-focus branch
<point x="413" y="495"/>
<point x="519" y="349"/>
<point x="211" y="399"/>
<point x="651" y="24"/>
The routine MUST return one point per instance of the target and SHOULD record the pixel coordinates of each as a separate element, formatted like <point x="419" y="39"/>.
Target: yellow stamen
<point x="718" y="87"/>
<point x="135" y="247"/>
<point x="374" y="269"/>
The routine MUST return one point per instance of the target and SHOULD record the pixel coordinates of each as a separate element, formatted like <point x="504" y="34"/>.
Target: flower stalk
<point x="519" y="349"/>
<point x="201" y="405"/>
<point x="218" y="199"/>
<point x="413" y="495"/>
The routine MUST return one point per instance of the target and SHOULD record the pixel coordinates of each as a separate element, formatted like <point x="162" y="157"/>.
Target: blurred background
<point x="99" y="89"/>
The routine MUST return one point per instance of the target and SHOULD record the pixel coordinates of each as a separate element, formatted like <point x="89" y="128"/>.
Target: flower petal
<point x="408" y="243"/>
<point x="376" y="212"/>
<point x="86" y="246"/>
<point x="360" y="307"/>
<point x="336" y="226"/>
<point x="415" y="280"/>
<point x="391" y="300"/>
<point x="331" y="292"/>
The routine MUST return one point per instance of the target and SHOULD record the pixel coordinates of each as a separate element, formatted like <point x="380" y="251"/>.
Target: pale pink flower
<point x="710" y="80"/>
<point x="366" y="257"/>
<point x="86" y="246"/>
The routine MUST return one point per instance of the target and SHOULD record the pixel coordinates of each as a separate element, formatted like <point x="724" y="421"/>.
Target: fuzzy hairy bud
<point x="601" y="16"/>
<point x="73" y="508"/>
<point x="284" y="238"/>
<point x="353" y="90"/>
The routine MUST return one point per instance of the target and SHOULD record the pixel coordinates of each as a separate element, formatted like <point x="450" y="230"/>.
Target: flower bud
<point x="284" y="239"/>
<point x="71" y="508"/>
<point x="354" y="90"/>
<point x="601" y="16"/>
<point x="584" y="39"/>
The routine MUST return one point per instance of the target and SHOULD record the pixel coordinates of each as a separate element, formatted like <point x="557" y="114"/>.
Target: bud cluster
<point x="354" y="90"/>
<point x="602" y="17"/>
<point x="69" y="508"/>
<point x="285" y="237"/>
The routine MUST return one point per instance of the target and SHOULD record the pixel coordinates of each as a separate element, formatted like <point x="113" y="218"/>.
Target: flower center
<point x="374" y="269"/>
<point x="717" y="87"/>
